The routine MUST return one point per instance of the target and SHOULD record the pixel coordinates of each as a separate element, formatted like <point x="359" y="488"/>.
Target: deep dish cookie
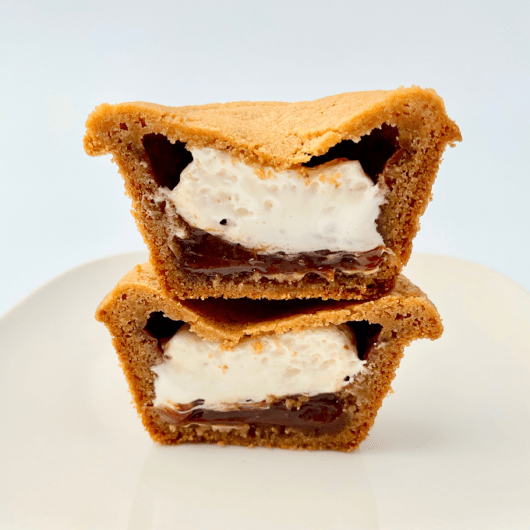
<point x="279" y="200"/>
<point x="308" y="374"/>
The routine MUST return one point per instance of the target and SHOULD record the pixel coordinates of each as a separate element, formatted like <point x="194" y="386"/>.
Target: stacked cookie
<point x="272" y="311"/>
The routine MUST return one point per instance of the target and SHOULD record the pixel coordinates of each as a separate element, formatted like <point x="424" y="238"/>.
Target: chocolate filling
<point x="204" y="253"/>
<point x="320" y="414"/>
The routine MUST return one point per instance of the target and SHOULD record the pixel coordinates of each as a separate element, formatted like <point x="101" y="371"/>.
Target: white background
<point x="59" y="59"/>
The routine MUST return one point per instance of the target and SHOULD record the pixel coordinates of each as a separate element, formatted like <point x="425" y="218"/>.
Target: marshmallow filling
<point x="296" y="380"/>
<point x="225" y="217"/>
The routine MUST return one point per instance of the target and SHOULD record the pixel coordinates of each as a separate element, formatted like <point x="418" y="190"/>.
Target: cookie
<point x="307" y="374"/>
<point x="278" y="200"/>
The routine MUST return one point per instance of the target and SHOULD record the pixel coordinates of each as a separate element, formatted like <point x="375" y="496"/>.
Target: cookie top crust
<point x="277" y="134"/>
<point x="228" y="321"/>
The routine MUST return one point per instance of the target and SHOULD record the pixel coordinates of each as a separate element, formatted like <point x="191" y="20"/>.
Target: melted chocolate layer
<point x="205" y="253"/>
<point x="321" y="414"/>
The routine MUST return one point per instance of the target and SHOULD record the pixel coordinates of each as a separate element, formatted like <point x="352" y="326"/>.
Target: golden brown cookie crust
<point x="283" y="135"/>
<point x="277" y="134"/>
<point x="405" y="314"/>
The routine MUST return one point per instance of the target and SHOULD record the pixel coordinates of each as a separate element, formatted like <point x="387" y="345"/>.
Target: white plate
<point x="449" y="450"/>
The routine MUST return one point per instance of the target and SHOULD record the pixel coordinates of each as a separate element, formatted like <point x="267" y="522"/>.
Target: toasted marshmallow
<point x="330" y="207"/>
<point x="310" y="362"/>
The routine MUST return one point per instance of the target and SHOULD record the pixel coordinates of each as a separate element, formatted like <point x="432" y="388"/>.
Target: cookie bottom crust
<point x="336" y="286"/>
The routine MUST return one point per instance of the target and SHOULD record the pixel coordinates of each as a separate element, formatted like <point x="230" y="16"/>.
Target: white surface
<point x="309" y="362"/>
<point x="333" y="206"/>
<point x="449" y="450"/>
<point x="59" y="59"/>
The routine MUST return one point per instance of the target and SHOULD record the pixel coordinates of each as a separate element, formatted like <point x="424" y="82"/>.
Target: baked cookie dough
<point x="278" y="200"/>
<point x="307" y="374"/>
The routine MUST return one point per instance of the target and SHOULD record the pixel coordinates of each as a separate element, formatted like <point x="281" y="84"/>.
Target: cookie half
<point x="278" y="200"/>
<point x="307" y="374"/>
